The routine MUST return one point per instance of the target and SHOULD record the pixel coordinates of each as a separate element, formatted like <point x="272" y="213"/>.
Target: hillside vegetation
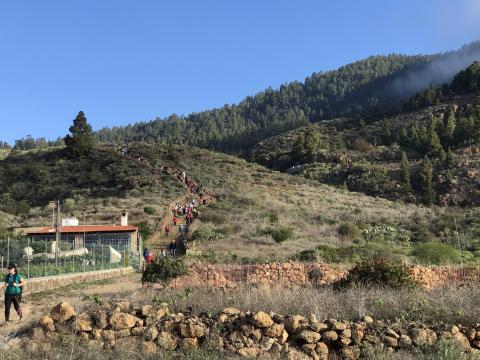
<point x="371" y="86"/>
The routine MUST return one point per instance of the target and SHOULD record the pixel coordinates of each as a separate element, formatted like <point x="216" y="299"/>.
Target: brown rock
<point x="249" y="352"/>
<point x="62" y="312"/>
<point x="266" y="343"/>
<point x="150" y="347"/>
<point x="150" y="333"/>
<point x="46" y="322"/>
<point x="108" y="335"/>
<point x="274" y="331"/>
<point x="357" y="336"/>
<point x="167" y="341"/>
<point x="337" y="326"/>
<point x="294" y="354"/>
<point x="120" y="321"/>
<point x="97" y="334"/>
<point x="462" y="340"/>
<point x="120" y="334"/>
<point x="322" y="350"/>
<point x="293" y="323"/>
<point x="346" y="334"/>
<point x="319" y="327"/>
<point x="96" y="344"/>
<point x="190" y="330"/>
<point x="308" y="336"/>
<point x="189" y="343"/>
<point x="423" y="336"/>
<point x="101" y="319"/>
<point x="84" y="322"/>
<point x="368" y="319"/>
<point x="146" y="310"/>
<point x="121" y="306"/>
<point x="261" y="319"/>
<point x="453" y="329"/>
<point x="470" y="334"/>
<point x="405" y="341"/>
<point x="350" y="353"/>
<point x="390" y="341"/>
<point x="329" y="336"/>
<point x="138" y="331"/>
<point x="231" y="311"/>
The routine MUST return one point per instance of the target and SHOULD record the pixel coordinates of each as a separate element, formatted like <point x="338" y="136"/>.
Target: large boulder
<point x="167" y="340"/>
<point x="62" y="312"/>
<point x="46" y="322"/>
<point x="150" y="333"/>
<point x="309" y="336"/>
<point x="120" y="321"/>
<point x="293" y="323"/>
<point x="190" y="330"/>
<point x="261" y="320"/>
<point x="84" y="322"/>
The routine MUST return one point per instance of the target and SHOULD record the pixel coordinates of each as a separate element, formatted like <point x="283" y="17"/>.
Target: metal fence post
<point x="45" y="257"/>
<point x="28" y="258"/>
<point x="8" y="251"/>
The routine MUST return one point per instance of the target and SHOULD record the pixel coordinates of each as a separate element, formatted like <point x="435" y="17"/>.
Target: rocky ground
<point x="232" y="331"/>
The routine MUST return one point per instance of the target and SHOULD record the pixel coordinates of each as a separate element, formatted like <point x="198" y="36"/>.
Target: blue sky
<point x="122" y="61"/>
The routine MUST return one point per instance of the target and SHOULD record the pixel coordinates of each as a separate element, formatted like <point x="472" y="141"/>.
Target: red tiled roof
<point x="86" y="228"/>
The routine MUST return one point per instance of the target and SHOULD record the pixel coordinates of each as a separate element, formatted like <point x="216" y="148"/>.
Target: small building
<point x="117" y="236"/>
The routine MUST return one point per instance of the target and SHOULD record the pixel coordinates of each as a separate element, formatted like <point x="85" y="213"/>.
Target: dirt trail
<point x="36" y="305"/>
<point x="159" y="240"/>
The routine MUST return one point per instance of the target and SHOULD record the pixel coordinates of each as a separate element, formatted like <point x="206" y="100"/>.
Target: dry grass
<point x="452" y="305"/>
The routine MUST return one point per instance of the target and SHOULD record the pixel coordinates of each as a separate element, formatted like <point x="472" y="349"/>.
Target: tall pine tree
<point x="406" y="186"/>
<point x="426" y="181"/>
<point x="81" y="141"/>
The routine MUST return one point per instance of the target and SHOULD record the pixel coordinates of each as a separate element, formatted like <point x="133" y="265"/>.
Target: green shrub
<point x="282" y="234"/>
<point x="164" y="270"/>
<point x="149" y="210"/>
<point x="436" y="253"/>
<point x="306" y="255"/>
<point x="206" y="233"/>
<point x="378" y="273"/>
<point x="349" y="231"/>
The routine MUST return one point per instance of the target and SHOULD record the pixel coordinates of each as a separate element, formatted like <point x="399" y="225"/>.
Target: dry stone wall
<point x="246" y="334"/>
<point x="311" y="273"/>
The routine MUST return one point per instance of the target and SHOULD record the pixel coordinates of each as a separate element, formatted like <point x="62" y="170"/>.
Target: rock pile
<point x="243" y="333"/>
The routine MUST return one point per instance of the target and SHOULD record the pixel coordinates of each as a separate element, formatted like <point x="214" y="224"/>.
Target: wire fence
<point x="44" y="258"/>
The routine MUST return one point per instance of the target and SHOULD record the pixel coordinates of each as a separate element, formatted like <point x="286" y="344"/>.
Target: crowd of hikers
<point x="187" y="212"/>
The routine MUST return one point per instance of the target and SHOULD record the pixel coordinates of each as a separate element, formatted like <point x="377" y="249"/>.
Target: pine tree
<point x="450" y="158"/>
<point x="426" y="181"/>
<point x="312" y="140"/>
<point x="298" y="151"/>
<point x="407" y="187"/>
<point x="81" y="140"/>
<point x="450" y="126"/>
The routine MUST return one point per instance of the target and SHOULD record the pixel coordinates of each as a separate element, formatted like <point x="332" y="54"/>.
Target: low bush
<point x="378" y="273"/>
<point x="349" y="231"/>
<point x="149" y="210"/>
<point x="164" y="270"/>
<point x="436" y="253"/>
<point x="281" y="234"/>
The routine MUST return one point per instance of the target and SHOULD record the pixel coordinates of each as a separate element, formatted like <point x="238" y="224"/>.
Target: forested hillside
<point x="368" y="87"/>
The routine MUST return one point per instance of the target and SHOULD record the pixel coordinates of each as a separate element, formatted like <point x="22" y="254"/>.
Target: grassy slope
<point x="253" y="201"/>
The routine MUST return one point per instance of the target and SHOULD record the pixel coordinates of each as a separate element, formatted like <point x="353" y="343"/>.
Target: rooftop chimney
<point x="124" y="221"/>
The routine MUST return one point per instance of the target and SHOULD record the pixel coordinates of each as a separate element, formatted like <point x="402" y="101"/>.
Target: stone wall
<point x="310" y="273"/>
<point x="260" y="334"/>
<point x="54" y="282"/>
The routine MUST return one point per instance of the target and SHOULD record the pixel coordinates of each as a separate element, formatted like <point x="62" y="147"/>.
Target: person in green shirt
<point x="13" y="284"/>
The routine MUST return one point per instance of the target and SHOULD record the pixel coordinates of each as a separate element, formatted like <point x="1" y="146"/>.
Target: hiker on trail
<point x="164" y="252"/>
<point x="184" y="177"/>
<point x="13" y="284"/>
<point x="181" y="228"/>
<point x="173" y="248"/>
<point x="167" y="229"/>
<point x="174" y="220"/>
